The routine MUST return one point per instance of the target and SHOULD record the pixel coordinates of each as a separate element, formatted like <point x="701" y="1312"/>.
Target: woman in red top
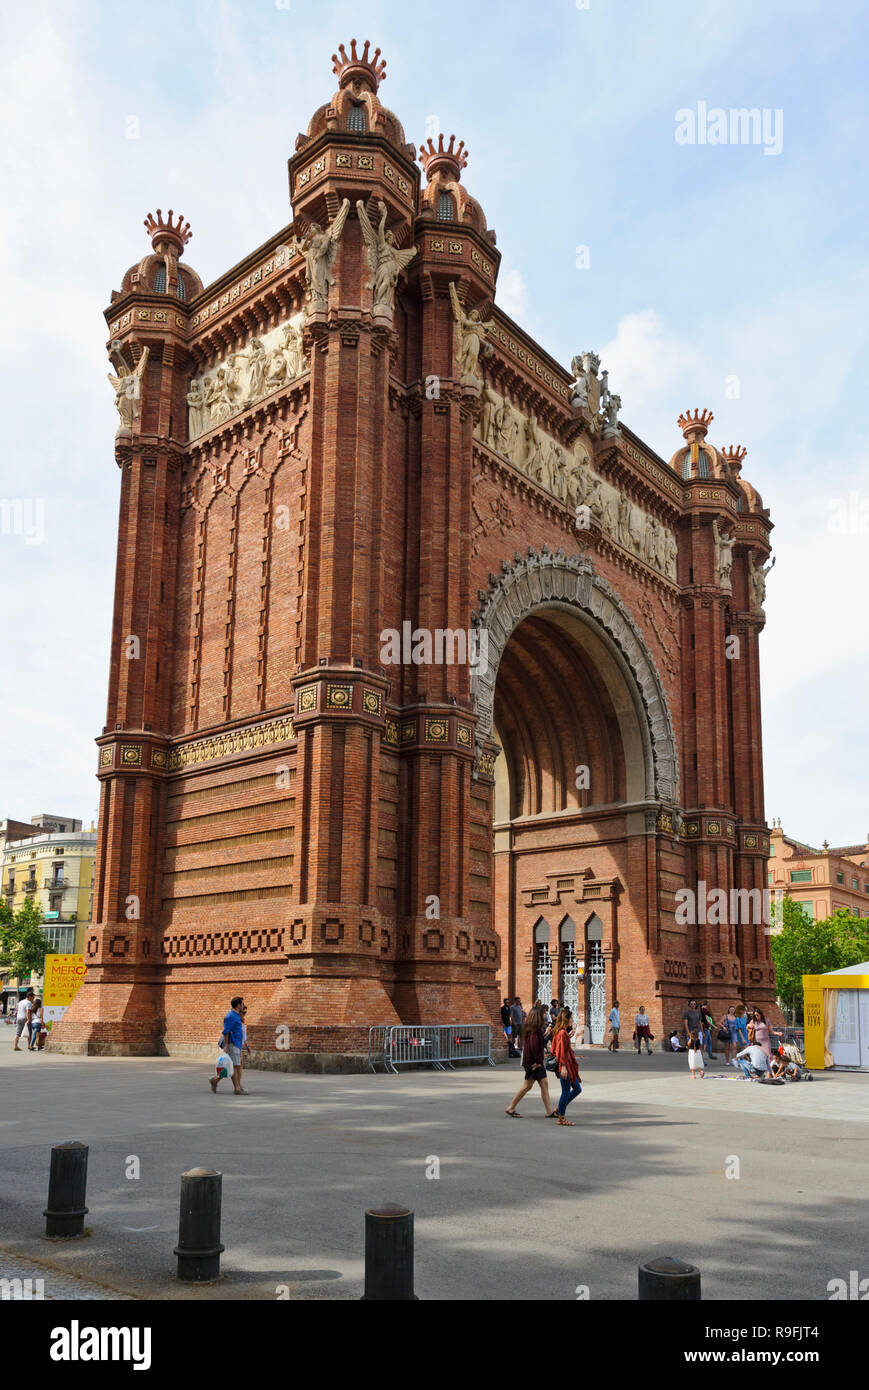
<point x="567" y="1064"/>
<point x="532" y="1060"/>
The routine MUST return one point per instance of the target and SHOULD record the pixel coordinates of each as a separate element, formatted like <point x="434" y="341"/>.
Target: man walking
<point x="22" y="1020"/>
<point x="692" y="1018"/>
<point x="615" y="1022"/>
<point x="232" y="1041"/>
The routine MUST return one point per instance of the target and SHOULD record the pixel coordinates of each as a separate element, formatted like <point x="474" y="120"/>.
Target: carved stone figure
<point x="128" y="389"/>
<point x="624" y="525"/>
<point x="610" y="517"/>
<point x="471" y="334"/>
<point x="294" y="350"/>
<point x="757" y="581"/>
<point x="277" y="371"/>
<point x="723" y="555"/>
<point x="384" y="258"/>
<point x="558" y="472"/>
<point x="490" y="406"/>
<point x="257" y="367"/>
<point x="507" y="427"/>
<point x="198" y="412"/>
<point x="534" y="451"/>
<point x="221" y="396"/>
<point x="586" y="390"/>
<point x="612" y="406"/>
<point x="320" y="248"/>
<point x="672" y="555"/>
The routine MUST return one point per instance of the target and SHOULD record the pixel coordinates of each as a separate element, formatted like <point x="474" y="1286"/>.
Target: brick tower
<point x="346" y="476"/>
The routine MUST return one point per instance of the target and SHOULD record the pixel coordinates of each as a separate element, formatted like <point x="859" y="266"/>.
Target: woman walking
<point x="643" y="1030"/>
<point x="568" y="1069"/>
<point x="532" y="1061"/>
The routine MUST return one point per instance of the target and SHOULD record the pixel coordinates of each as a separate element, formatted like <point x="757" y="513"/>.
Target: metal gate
<point x="544" y="973"/>
<point x="569" y="978"/>
<point x="596" y="993"/>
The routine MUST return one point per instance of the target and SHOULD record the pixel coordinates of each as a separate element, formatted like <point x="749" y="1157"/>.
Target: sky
<point x="728" y="276"/>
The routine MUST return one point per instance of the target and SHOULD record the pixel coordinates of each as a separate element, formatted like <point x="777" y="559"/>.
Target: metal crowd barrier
<point x="469" y="1042"/>
<point x="378" y="1040"/>
<point x="435" y="1045"/>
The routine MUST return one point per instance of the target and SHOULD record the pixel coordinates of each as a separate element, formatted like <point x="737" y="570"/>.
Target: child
<point x="695" y="1057"/>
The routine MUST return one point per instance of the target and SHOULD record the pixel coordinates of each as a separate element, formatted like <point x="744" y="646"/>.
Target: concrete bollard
<point x="669" y="1281"/>
<point x="199" y="1248"/>
<point x="67" y="1189"/>
<point x="388" y="1254"/>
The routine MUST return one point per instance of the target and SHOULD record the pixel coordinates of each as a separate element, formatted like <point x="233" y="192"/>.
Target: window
<point x="840" y="878"/>
<point x="801" y="875"/>
<point x="356" y="118"/>
<point x="160" y="279"/>
<point x="855" y="883"/>
<point x="61" y="939"/>
<point x="866" y="887"/>
<point x="740" y="503"/>
<point x="446" y="208"/>
<point x="808" y="909"/>
<point x="182" y="286"/>
<point x="769" y="876"/>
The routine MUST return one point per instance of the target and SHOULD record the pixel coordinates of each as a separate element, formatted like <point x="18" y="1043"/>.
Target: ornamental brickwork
<point x="342" y="436"/>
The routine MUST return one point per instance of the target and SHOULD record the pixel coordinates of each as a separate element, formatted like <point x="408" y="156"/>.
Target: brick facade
<point x="279" y="807"/>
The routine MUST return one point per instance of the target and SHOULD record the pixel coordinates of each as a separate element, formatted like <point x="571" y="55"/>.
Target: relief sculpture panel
<point x="568" y="475"/>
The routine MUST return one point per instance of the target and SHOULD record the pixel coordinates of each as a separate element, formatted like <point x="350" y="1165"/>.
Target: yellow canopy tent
<point x="836" y="1017"/>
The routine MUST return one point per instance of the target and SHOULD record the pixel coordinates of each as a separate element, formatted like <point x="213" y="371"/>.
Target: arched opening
<point x="542" y="961"/>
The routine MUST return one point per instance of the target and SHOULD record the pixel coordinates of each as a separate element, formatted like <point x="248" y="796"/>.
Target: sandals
<point x="568" y="1123"/>
<point x="514" y="1114"/>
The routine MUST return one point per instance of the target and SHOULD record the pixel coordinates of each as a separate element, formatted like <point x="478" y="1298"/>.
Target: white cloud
<point x="512" y="295"/>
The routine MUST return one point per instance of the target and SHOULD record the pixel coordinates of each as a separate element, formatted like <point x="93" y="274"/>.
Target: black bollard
<point x="199" y="1246"/>
<point x="389" y="1254"/>
<point x="67" y="1189"/>
<point x="669" y="1281"/>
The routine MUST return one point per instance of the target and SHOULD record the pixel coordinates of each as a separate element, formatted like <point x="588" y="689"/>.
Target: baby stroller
<point x="792" y="1066"/>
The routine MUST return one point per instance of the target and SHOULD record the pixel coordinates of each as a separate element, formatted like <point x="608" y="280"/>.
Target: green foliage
<point x="804" y="947"/>
<point x="23" y="944"/>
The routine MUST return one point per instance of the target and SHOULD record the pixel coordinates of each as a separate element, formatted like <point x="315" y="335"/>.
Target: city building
<point x="53" y="866"/>
<point x="820" y="880"/>
<point x="421" y="682"/>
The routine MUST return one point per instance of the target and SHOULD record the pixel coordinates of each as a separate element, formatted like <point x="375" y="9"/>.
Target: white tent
<point x="849" y="1041"/>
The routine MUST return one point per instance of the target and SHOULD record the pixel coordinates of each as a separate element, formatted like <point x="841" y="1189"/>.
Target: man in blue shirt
<point x="232" y="1041"/>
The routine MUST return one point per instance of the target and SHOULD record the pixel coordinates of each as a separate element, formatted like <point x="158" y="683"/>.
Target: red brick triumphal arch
<point x="429" y="680"/>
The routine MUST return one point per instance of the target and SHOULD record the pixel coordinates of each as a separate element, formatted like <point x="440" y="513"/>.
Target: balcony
<point x="30" y="885"/>
<point x="58" y="883"/>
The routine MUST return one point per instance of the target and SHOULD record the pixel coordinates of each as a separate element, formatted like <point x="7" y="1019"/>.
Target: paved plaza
<point x="521" y="1209"/>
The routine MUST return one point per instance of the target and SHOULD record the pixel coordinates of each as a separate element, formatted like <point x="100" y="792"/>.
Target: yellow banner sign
<point x="63" y="976"/>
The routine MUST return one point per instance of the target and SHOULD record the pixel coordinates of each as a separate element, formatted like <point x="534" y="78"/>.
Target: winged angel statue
<point x="127" y="388"/>
<point x="320" y="247"/>
<point x="385" y="259"/>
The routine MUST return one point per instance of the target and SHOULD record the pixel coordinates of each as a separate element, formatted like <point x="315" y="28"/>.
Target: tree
<point x="23" y="943"/>
<point x="804" y="947"/>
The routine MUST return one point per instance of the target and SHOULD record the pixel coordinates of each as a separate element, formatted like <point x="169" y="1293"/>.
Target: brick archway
<point x="550" y="581"/>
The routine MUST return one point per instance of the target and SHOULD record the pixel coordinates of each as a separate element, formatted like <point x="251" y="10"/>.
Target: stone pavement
<point x="522" y="1208"/>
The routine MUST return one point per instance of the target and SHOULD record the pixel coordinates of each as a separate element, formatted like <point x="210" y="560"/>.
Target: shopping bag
<point x="223" y="1065"/>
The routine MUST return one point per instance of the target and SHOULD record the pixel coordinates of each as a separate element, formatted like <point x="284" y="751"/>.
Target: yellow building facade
<point x="820" y="880"/>
<point x="55" y="869"/>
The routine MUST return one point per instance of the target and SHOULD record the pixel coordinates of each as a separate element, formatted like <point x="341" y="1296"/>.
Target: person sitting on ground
<point x="676" y="1043"/>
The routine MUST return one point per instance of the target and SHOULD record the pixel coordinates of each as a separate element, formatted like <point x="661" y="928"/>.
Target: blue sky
<point x="707" y="263"/>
